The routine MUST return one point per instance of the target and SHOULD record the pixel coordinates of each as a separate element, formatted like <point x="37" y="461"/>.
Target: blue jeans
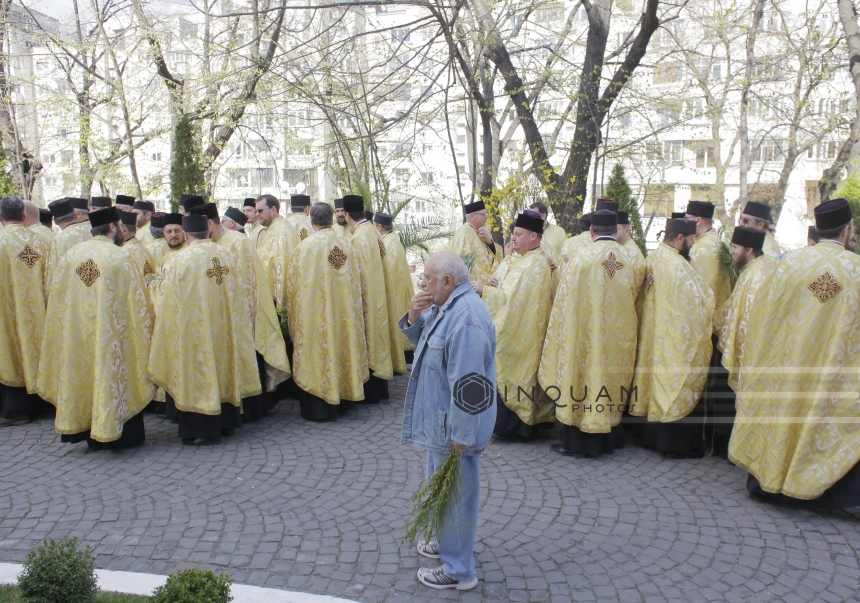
<point x="457" y="540"/>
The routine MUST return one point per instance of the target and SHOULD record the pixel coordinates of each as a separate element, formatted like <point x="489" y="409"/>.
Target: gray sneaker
<point x="438" y="579"/>
<point x="428" y="549"/>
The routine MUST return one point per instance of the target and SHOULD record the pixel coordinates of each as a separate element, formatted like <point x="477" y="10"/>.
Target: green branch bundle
<point x="432" y="504"/>
<point x="727" y="261"/>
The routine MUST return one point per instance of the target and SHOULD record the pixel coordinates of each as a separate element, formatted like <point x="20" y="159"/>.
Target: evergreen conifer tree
<point x="186" y="175"/>
<point x="619" y="190"/>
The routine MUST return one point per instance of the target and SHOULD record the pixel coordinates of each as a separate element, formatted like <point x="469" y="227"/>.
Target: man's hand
<point x="485" y="235"/>
<point x="420" y="302"/>
<point x="494" y="282"/>
<point x="478" y="287"/>
<point x="509" y="248"/>
<point x="460" y="448"/>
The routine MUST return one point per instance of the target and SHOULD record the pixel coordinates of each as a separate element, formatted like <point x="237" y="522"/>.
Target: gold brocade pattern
<point x="797" y="428"/>
<point x="554" y="236"/>
<point x="60" y="245"/>
<point x="147" y="268"/>
<point x="268" y="337"/>
<point x="705" y="258"/>
<point x="303" y="233"/>
<point x="466" y="241"/>
<point x="612" y="265"/>
<point x="732" y="320"/>
<point x="203" y="352"/>
<point x="29" y="256"/>
<point x="218" y="271"/>
<point x="649" y="280"/>
<point x="771" y="247"/>
<point x="825" y="287"/>
<point x="674" y="345"/>
<point x="589" y="353"/>
<point x="88" y="272"/>
<point x="95" y="373"/>
<point x="520" y="308"/>
<point x="326" y="319"/>
<point x="574" y="244"/>
<point x="22" y="307"/>
<point x="337" y="258"/>
<point x="275" y="249"/>
<point x="381" y="250"/>
<point x="377" y="329"/>
<point x="401" y="289"/>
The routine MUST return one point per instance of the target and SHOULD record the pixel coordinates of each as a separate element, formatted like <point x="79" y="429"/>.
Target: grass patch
<point x="9" y="594"/>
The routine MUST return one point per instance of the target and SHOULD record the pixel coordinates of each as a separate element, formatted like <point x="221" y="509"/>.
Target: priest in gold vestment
<point x="340" y="226"/>
<point x="254" y="228"/>
<point x="399" y="286"/>
<point x="45" y="227"/>
<point x="202" y="353"/>
<point x="34" y="221"/>
<point x="575" y="243"/>
<point x="75" y="229"/>
<point x="96" y="342"/>
<point x="158" y="246"/>
<point x="272" y="362"/>
<point x="519" y="300"/>
<point x="276" y="247"/>
<point x="553" y="235"/>
<point x="706" y="251"/>
<point x="144" y="211"/>
<point x="368" y="251"/>
<point x="300" y="205"/>
<point x="131" y="244"/>
<point x="326" y="321"/>
<point x="674" y="346"/>
<point x="797" y="430"/>
<point x="474" y="239"/>
<point x="590" y="349"/>
<point x="174" y="238"/>
<point x="22" y="313"/>
<point x="731" y="325"/>
<point x="757" y="215"/>
<point x="235" y="220"/>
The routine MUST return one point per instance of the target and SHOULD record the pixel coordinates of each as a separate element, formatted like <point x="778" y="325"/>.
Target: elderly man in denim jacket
<point x="450" y="402"/>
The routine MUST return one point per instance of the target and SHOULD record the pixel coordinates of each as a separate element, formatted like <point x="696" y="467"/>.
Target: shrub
<point x="194" y="586"/>
<point x="56" y="572"/>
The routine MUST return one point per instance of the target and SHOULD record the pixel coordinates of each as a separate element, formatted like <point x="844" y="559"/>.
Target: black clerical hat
<point x="249" y="202"/>
<point x="623" y="217"/>
<point x="300" y="201"/>
<point x="682" y="226"/>
<point x="678" y="215"/>
<point x="383" y="219"/>
<point x="109" y="215"/>
<point x="144" y="206"/>
<point x="832" y="214"/>
<point x="530" y="220"/>
<point x="195" y="223"/>
<point x="758" y="210"/>
<point x="189" y="201"/>
<point x="236" y="215"/>
<point x="210" y="210"/>
<point x="604" y="217"/>
<point x="353" y="203"/>
<point x="471" y="208"/>
<point x="338" y="203"/>
<point x="45" y="217"/>
<point x="172" y="219"/>
<point x="101" y="202"/>
<point x="701" y="209"/>
<point x="368" y="215"/>
<point x="812" y="233"/>
<point x="129" y="218"/>
<point x="61" y="207"/>
<point x="585" y="222"/>
<point x="609" y="204"/>
<point x="124" y="200"/>
<point x="748" y="237"/>
<point x="79" y="203"/>
<point x="157" y="220"/>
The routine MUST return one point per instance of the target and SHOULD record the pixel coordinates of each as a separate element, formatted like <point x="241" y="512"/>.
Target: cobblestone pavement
<point x="320" y="507"/>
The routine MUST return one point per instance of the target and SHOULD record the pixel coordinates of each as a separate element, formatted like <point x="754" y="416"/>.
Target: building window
<point x="427" y="177"/>
<point x="262" y="177"/>
<point x="156" y="156"/>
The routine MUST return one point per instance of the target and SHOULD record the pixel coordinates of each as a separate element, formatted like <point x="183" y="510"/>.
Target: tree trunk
<point x="758" y="12"/>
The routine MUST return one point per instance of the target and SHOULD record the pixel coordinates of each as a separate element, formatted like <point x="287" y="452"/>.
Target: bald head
<point x="31" y="213"/>
<point x="448" y="263"/>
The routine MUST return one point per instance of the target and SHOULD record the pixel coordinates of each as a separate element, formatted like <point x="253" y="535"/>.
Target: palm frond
<point x="469" y="260"/>
<point x="432" y="503"/>
<point x="727" y="261"/>
<point x="364" y="190"/>
<point x="416" y="234"/>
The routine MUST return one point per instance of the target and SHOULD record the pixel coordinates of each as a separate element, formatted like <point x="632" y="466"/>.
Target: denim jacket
<point x="451" y="395"/>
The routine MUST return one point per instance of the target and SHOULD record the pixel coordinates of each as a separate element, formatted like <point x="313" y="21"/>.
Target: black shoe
<point x="228" y="432"/>
<point x="565" y="452"/>
<point x="202" y="442"/>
